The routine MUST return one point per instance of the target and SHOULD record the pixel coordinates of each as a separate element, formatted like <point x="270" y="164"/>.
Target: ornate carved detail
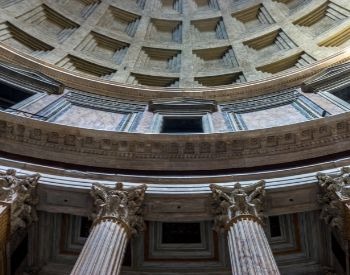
<point x="117" y="203"/>
<point x="334" y="196"/>
<point x="238" y="150"/>
<point x="20" y="193"/>
<point x="240" y="201"/>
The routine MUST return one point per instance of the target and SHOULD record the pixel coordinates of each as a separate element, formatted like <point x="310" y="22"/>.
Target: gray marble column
<point x="117" y="217"/>
<point x="238" y="210"/>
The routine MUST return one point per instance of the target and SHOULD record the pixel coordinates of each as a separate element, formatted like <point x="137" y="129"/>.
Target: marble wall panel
<point x="219" y="122"/>
<point x="145" y="123"/>
<point x="278" y="116"/>
<point x="41" y="103"/>
<point x="90" y="118"/>
<point x="324" y="103"/>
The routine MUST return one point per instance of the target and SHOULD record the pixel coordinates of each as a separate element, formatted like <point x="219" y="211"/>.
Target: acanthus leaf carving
<point x="120" y="204"/>
<point x="335" y="194"/>
<point x="20" y="193"/>
<point x="231" y="203"/>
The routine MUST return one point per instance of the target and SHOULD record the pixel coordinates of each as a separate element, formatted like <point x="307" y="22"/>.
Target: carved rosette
<point x="19" y="192"/>
<point x="120" y="205"/>
<point x="232" y="204"/>
<point x="335" y="200"/>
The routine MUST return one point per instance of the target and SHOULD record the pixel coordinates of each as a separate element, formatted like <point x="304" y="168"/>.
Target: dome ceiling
<point x="189" y="44"/>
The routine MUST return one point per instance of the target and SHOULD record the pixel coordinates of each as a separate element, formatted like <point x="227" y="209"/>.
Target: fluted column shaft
<point x="117" y="215"/>
<point x="238" y="209"/>
<point x="250" y="251"/>
<point x="4" y="236"/>
<point x="104" y="250"/>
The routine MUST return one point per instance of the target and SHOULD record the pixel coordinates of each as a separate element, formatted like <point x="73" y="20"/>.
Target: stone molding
<point x="119" y="204"/>
<point x="20" y="135"/>
<point x="238" y="202"/>
<point x="179" y="105"/>
<point x="19" y="192"/>
<point x="28" y="79"/>
<point x="335" y="200"/>
<point x="331" y="78"/>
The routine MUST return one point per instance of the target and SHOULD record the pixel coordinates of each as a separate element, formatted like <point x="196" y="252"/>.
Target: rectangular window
<point x="173" y="233"/>
<point x="10" y="96"/>
<point x="182" y="125"/>
<point x="275" y="227"/>
<point x="343" y="94"/>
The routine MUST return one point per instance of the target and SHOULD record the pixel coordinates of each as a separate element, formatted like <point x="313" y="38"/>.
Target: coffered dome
<point x="175" y="44"/>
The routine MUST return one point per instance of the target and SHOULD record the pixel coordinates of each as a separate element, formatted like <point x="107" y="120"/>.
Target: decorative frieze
<point x="19" y="192"/>
<point x="226" y="150"/>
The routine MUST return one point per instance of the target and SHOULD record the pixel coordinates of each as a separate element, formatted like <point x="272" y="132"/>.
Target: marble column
<point x="18" y="199"/>
<point x="238" y="210"/>
<point x="117" y="216"/>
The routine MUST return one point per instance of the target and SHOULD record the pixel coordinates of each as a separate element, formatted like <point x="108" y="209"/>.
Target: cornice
<point x="138" y="151"/>
<point x="143" y="93"/>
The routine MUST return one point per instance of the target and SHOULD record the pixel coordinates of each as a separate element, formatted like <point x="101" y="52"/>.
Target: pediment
<point x="327" y="76"/>
<point x="183" y="104"/>
<point x="29" y="79"/>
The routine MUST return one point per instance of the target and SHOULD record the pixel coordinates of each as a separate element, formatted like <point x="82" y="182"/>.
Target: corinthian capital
<point x="119" y="204"/>
<point x="240" y="201"/>
<point x="20" y="193"/>
<point x="334" y="197"/>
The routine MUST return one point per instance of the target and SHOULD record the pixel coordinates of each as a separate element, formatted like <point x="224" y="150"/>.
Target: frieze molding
<point x="20" y="135"/>
<point x="335" y="200"/>
<point x="19" y="192"/>
<point x="123" y="205"/>
<point x="232" y="204"/>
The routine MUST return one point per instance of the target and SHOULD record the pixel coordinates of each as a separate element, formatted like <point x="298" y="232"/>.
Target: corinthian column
<point x="238" y="210"/>
<point x="19" y="194"/>
<point x="335" y="201"/>
<point x="117" y="216"/>
<point x="17" y="208"/>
